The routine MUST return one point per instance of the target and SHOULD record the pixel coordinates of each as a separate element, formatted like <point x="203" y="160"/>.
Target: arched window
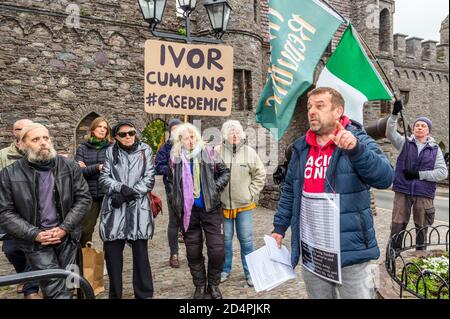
<point x="405" y="73"/>
<point x="243" y="88"/>
<point x="385" y="108"/>
<point x="83" y="127"/>
<point x="414" y="75"/>
<point x="422" y="76"/>
<point x="438" y="77"/>
<point x="431" y="77"/>
<point x="397" y="74"/>
<point x="384" y="36"/>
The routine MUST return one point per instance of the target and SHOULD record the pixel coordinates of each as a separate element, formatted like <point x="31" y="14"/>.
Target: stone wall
<point x="61" y="76"/>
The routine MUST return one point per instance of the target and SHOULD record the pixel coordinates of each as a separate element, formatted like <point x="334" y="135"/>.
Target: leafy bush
<point x="437" y="265"/>
<point x="153" y="134"/>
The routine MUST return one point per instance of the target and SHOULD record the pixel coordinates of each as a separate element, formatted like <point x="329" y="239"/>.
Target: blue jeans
<point x="244" y="230"/>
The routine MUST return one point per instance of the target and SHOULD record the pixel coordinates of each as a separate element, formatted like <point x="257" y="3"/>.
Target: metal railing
<point x="85" y="287"/>
<point x="405" y="241"/>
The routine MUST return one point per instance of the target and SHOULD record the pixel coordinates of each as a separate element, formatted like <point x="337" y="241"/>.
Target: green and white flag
<point x="300" y="31"/>
<point x="350" y="72"/>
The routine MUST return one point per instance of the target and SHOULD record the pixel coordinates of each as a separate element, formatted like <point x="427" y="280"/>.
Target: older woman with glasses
<point x="127" y="178"/>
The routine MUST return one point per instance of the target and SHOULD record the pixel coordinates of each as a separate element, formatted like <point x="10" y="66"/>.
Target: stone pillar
<point x="442" y="53"/>
<point x="400" y="45"/>
<point x="429" y="51"/>
<point x="444" y="31"/>
<point x="414" y="48"/>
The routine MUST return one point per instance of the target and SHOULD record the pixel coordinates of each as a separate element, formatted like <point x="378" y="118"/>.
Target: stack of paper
<point x="270" y="266"/>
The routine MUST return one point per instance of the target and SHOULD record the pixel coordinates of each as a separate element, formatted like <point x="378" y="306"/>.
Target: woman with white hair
<point x="196" y="177"/>
<point x="247" y="178"/>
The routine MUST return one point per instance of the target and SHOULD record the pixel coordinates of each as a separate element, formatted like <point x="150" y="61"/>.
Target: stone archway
<point x="83" y="128"/>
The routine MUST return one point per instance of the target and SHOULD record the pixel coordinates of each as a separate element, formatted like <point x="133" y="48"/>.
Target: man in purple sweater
<point x="43" y="198"/>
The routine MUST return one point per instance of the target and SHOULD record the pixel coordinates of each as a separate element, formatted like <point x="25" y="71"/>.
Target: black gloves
<point x="280" y="174"/>
<point x="411" y="174"/>
<point x="128" y="193"/>
<point x="117" y="199"/>
<point x="398" y="106"/>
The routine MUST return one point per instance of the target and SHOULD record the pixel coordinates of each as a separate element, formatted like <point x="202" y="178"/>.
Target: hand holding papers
<point x="276" y="254"/>
<point x="270" y="266"/>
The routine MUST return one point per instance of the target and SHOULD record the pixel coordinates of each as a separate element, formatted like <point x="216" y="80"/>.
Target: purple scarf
<point x="188" y="184"/>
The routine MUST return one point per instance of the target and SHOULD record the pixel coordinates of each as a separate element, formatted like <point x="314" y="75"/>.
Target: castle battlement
<point x="415" y="49"/>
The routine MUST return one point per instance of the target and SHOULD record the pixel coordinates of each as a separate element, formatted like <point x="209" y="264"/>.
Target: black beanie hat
<point x="116" y="127"/>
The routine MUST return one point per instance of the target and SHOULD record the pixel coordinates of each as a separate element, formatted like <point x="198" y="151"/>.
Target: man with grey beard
<point x="43" y="198"/>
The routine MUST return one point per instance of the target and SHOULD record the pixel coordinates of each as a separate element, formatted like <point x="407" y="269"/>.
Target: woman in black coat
<point x="91" y="156"/>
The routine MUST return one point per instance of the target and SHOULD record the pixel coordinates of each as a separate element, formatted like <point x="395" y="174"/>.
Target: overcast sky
<point x="420" y="18"/>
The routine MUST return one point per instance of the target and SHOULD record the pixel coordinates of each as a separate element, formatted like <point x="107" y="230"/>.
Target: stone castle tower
<point x="444" y="31"/>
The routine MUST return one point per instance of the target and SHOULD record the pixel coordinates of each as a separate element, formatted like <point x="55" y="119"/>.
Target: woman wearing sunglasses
<point x="90" y="156"/>
<point x="127" y="178"/>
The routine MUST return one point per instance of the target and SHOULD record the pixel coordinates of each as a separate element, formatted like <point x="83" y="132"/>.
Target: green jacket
<point x="247" y="176"/>
<point x="9" y="155"/>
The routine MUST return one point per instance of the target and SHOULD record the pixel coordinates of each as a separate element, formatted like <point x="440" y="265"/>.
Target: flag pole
<point x="365" y="45"/>
<point x="385" y="76"/>
<point x="337" y="12"/>
<point x="391" y="86"/>
<point x="374" y="58"/>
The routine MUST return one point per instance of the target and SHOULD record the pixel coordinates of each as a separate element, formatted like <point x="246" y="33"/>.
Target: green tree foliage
<point x="153" y="134"/>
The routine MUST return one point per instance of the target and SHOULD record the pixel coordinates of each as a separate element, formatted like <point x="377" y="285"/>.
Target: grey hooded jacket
<point x="134" y="220"/>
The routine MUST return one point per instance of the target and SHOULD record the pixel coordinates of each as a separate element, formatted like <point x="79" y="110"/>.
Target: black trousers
<point x="211" y="224"/>
<point x="142" y="274"/>
<point x="17" y="258"/>
<point x="59" y="256"/>
<point x="88" y="222"/>
<point x="172" y="230"/>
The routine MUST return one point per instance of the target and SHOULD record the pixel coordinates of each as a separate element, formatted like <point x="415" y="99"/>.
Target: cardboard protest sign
<point x="192" y="79"/>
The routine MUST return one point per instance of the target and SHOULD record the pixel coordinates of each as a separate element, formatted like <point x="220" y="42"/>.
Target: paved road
<point x="177" y="283"/>
<point x="384" y="199"/>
